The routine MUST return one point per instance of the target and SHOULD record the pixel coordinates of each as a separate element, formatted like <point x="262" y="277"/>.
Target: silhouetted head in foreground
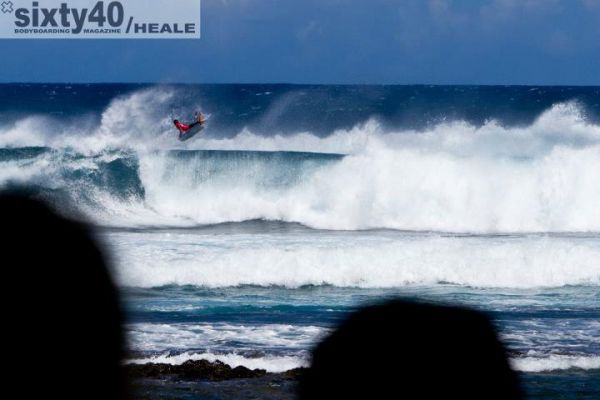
<point x="405" y="350"/>
<point x="61" y="312"/>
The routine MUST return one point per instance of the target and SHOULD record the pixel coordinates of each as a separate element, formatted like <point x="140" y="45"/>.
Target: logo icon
<point x="7" y="7"/>
<point x="94" y="19"/>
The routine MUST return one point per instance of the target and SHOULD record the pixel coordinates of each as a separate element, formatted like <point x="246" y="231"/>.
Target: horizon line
<point x="294" y="84"/>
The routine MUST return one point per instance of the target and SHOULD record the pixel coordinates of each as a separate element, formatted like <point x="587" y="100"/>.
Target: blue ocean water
<point x="298" y="204"/>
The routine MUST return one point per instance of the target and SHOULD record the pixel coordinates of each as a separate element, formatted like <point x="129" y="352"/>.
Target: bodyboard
<point x="191" y="133"/>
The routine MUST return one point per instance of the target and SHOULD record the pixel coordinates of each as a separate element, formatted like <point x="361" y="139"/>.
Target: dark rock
<point x="193" y="370"/>
<point x="294" y="374"/>
<point x="149" y="370"/>
<point x="243" y="372"/>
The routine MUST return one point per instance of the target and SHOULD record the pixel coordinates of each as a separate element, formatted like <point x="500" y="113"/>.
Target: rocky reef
<point x="202" y="370"/>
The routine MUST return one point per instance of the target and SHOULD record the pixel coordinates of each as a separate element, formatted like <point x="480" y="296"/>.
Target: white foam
<point x="555" y="363"/>
<point x="221" y="337"/>
<point x="406" y="189"/>
<point x="368" y="260"/>
<point x="277" y="364"/>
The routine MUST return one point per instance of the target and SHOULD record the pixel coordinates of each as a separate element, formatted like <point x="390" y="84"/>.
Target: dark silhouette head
<point x="175" y="121"/>
<point x="406" y="350"/>
<point x="61" y="312"/>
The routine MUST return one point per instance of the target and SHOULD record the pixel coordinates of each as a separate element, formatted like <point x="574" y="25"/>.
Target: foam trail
<point x="365" y="261"/>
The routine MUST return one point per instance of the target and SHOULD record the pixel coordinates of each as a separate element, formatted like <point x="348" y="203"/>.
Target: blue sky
<point x="552" y="42"/>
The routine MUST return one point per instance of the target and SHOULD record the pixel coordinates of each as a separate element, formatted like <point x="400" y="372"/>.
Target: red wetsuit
<point x="182" y="127"/>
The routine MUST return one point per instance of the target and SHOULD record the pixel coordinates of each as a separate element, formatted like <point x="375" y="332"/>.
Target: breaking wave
<point x="451" y="201"/>
<point x="130" y="171"/>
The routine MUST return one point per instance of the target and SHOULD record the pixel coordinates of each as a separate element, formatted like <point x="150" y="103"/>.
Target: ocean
<point x="298" y="204"/>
